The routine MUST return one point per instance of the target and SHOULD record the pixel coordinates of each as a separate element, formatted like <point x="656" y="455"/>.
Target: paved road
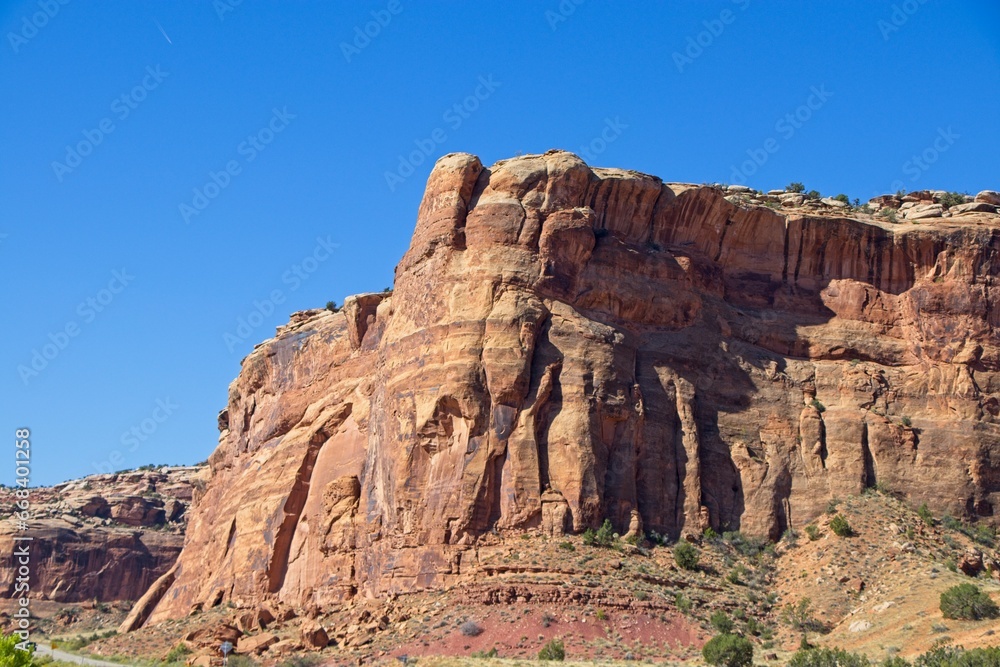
<point x="46" y="649"/>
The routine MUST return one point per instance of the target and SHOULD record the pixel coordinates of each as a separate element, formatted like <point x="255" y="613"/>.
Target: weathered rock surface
<point x="104" y="537"/>
<point x="567" y="344"/>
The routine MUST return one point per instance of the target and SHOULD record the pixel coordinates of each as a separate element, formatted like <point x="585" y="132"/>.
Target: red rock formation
<point x="94" y="538"/>
<point x="567" y="344"/>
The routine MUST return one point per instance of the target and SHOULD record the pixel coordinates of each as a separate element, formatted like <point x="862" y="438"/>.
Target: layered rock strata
<point x="566" y="344"/>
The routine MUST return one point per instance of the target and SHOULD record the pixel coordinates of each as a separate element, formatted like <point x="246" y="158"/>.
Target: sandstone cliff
<point x="103" y="537"/>
<point x="566" y="344"/>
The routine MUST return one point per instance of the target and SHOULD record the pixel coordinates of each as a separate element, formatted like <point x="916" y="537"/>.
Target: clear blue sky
<point x="890" y="88"/>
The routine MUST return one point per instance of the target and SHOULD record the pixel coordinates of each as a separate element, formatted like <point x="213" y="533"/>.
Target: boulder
<point x="923" y="212"/>
<point x="989" y="197"/>
<point x="313" y="635"/>
<point x="974" y="207"/>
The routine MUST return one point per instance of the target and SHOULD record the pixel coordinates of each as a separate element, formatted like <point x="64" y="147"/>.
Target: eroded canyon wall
<point x="565" y="344"/>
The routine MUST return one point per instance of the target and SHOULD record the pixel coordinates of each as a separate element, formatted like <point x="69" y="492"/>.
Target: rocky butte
<point x="565" y="344"/>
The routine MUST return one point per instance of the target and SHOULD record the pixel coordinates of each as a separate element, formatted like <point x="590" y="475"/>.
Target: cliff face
<point x="565" y="344"/>
<point x="103" y="537"/>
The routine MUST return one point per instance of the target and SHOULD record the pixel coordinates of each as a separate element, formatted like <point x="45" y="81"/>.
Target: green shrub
<point x="567" y="546"/>
<point x="812" y="531"/>
<point x="818" y="405"/>
<point x="840" y="527"/>
<point x="889" y="214"/>
<point x="831" y="507"/>
<point x="10" y="655"/>
<point x="686" y="556"/>
<point x="795" y="187"/>
<point x="177" y="653"/>
<point x="985" y="535"/>
<point x="554" y="650"/>
<point x="968" y="602"/>
<point x="906" y="421"/>
<point x="241" y="661"/>
<point x="721" y="622"/>
<point x="813" y="194"/>
<point x="751" y="547"/>
<point x="942" y="655"/>
<point x="951" y="523"/>
<point x="894" y="661"/>
<point x="606" y="534"/>
<point x="728" y="651"/>
<point x="799" y="616"/>
<point x="925" y="515"/>
<point x="683" y="603"/>
<point x="952" y="199"/>
<point x="843" y="198"/>
<point x="827" y="657"/>
<point x="331" y="306"/>
<point x="492" y="653"/>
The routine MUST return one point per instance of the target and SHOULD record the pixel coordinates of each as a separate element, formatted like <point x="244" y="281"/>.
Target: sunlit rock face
<point x="566" y="344"/>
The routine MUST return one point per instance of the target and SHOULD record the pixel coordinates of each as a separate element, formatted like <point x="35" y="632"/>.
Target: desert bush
<point x="567" y="546"/>
<point x="843" y="198"/>
<point x="554" y="650"/>
<point x="812" y="531"/>
<point x="827" y="657"/>
<point x="799" y="616"/>
<point x="686" y="556"/>
<point x="751" y="547"/>
<point x="728" y="651"/>
<point x="925" y="515"/>
<point x="470" y="629"/>
<point x="721" y="622"/>
<point x="840" y="526"/>
<point x="889" y="214"/>
<point x="952" y="199"/>
<point x="177" y="653"/>
<point x="683" y="603"/>
<point x="492" y="653"/>
<point x="968" y="602"/>
<point x="942" y="655"/>
<point x="603" y="537"/>
<point x="795" y="187"/>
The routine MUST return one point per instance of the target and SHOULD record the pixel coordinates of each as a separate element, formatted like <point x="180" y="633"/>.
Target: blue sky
<point x="168" y="170"/>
